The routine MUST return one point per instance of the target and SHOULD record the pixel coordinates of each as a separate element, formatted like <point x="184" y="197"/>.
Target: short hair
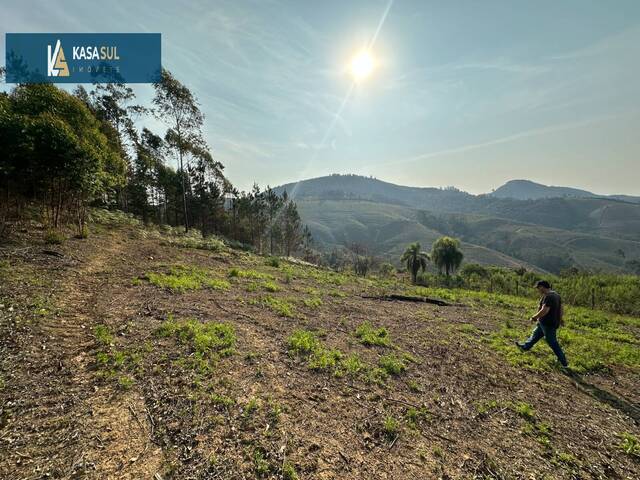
<point x="543" y="284"/>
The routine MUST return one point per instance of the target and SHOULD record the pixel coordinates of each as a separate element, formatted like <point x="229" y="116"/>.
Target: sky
<point x="463" y="93"/>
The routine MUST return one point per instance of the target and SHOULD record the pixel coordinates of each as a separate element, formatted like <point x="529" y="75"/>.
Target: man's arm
<point x="541" y="313"/>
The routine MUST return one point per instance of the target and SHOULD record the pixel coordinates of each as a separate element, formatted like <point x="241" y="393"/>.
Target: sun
<point x="362" y="65"/>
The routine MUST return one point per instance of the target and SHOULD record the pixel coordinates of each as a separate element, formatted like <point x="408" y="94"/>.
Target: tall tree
<point x="446" y="254"/>
<point x="291" y="228"/>
<point x="179" y="109"/>
<point x="415" y="260"/>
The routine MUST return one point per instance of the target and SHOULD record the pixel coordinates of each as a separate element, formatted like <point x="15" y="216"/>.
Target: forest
<point x="63" y="153"/>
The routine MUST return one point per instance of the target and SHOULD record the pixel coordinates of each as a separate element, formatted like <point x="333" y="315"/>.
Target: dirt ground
<point x="261" y="412"/>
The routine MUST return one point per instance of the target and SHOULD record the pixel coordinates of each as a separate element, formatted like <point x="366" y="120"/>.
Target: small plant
<point x="414" y="386"/>
<point x="252" y="406"/>
<point x="353" y="365"/>
<point x="369" y="335"/>
<point x="324" y="359"/>
<point x="525" y="410"/>
<point x="391" y="427"/>
<point x="303" y="342"/>
<point x="53" y="237"/>
<point x="103" y="335"/>
<point x="222" y="400"/>
<point x="125" y="382"/>
<point x="415" y="415"/>
<point x="260" y="463"/>
<point x="392" y="364"/>
<point x="486" y="406"/>
<point x="629" y="444"/>
<point x="289" y="472"/>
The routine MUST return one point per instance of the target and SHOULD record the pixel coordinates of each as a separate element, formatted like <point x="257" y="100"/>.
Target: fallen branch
<point x="406" y="298"/>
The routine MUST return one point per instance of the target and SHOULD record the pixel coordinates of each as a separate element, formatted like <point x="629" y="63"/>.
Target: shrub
<point x="53" y="237"/>
<point x="273" y="262"/>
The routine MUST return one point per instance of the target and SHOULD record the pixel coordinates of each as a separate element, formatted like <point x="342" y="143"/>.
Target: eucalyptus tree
<point x="179" y="109"/>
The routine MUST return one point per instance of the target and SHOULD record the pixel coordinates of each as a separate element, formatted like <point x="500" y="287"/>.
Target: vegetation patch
<point x="252" y="274"/>
<point x="209" y="340"/>
<point x="282" y="307"/>
<point x="182" y="278"/>
<point x="369" y="335"/>
<point x="392" y="364"/>
<point x="313" y="302"/>
<point x="211" y="243"/>
<point x="629" y="444"/>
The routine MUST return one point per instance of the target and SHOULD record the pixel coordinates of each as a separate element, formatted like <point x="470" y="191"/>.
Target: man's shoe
<point x="520" y="346"/>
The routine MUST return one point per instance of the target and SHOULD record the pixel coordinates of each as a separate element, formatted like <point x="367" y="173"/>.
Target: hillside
<point x="549" y="233"/>
<point x="528" y="190"/>
<point x="128" y="355"/>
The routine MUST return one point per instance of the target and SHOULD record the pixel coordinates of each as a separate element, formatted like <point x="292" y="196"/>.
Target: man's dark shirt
<point x="553" y="301"/>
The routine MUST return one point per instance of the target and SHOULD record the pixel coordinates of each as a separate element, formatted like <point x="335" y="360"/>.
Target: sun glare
<point x="362" y="65"/>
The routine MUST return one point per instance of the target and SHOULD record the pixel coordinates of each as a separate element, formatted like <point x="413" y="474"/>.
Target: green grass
<point x="369" y="335"/>
<point x="183" y="278"/>
<point x="270" y="286"/>
<point x="213" y="244"/>
<point x="314" y="302"/>
<point x="629" y="444"/>
<point x="261" y="465"/>
<point x="392" y="364"/>
<point x="205" y="339"/>
<point x="103" y="335"/>
<point x="252" y="274"/>
<point x="282" y="307"/>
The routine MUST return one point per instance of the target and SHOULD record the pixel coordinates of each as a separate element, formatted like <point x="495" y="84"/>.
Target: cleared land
<point x="133" y="354"/>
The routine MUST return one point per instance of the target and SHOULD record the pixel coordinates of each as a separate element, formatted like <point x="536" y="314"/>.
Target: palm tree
<point x="446" y="254"/>
<point x="415" y="259"/>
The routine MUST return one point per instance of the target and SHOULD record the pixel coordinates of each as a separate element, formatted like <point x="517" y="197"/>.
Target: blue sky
<point x="464" y="93"/>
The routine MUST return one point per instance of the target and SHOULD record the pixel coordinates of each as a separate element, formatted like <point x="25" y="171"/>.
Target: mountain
<point x="550" y="234"/>
<point x="528" y="190"/>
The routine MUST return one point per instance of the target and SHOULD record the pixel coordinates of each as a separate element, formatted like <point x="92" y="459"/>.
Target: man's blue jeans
<point x="549" y="334"/>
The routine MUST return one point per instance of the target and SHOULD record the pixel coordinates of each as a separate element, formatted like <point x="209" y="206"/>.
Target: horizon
<point x="544" y="93"/>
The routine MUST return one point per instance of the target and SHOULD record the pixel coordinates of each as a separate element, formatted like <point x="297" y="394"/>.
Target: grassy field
<point x="137" y="353"/>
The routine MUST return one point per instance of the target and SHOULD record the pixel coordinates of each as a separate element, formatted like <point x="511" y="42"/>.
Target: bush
<point x="53" y="237"/>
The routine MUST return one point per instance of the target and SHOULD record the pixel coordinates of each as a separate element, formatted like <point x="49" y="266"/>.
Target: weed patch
<point x="182" y="278"/>
<point x="205" y="339"/>
<point x="369" y="335"/>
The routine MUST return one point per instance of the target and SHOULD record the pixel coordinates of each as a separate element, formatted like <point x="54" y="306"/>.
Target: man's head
<point x="543" y="286"/>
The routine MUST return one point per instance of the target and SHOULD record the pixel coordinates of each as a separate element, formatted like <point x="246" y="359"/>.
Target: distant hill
<point x="547" y="233"/>
<point x="528" y="190"/>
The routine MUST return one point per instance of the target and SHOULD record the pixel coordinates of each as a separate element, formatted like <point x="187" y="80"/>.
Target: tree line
<point x="65" y="152"/>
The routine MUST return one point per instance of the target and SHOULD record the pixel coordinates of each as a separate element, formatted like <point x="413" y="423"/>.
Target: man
<point x="548" y="318"/>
